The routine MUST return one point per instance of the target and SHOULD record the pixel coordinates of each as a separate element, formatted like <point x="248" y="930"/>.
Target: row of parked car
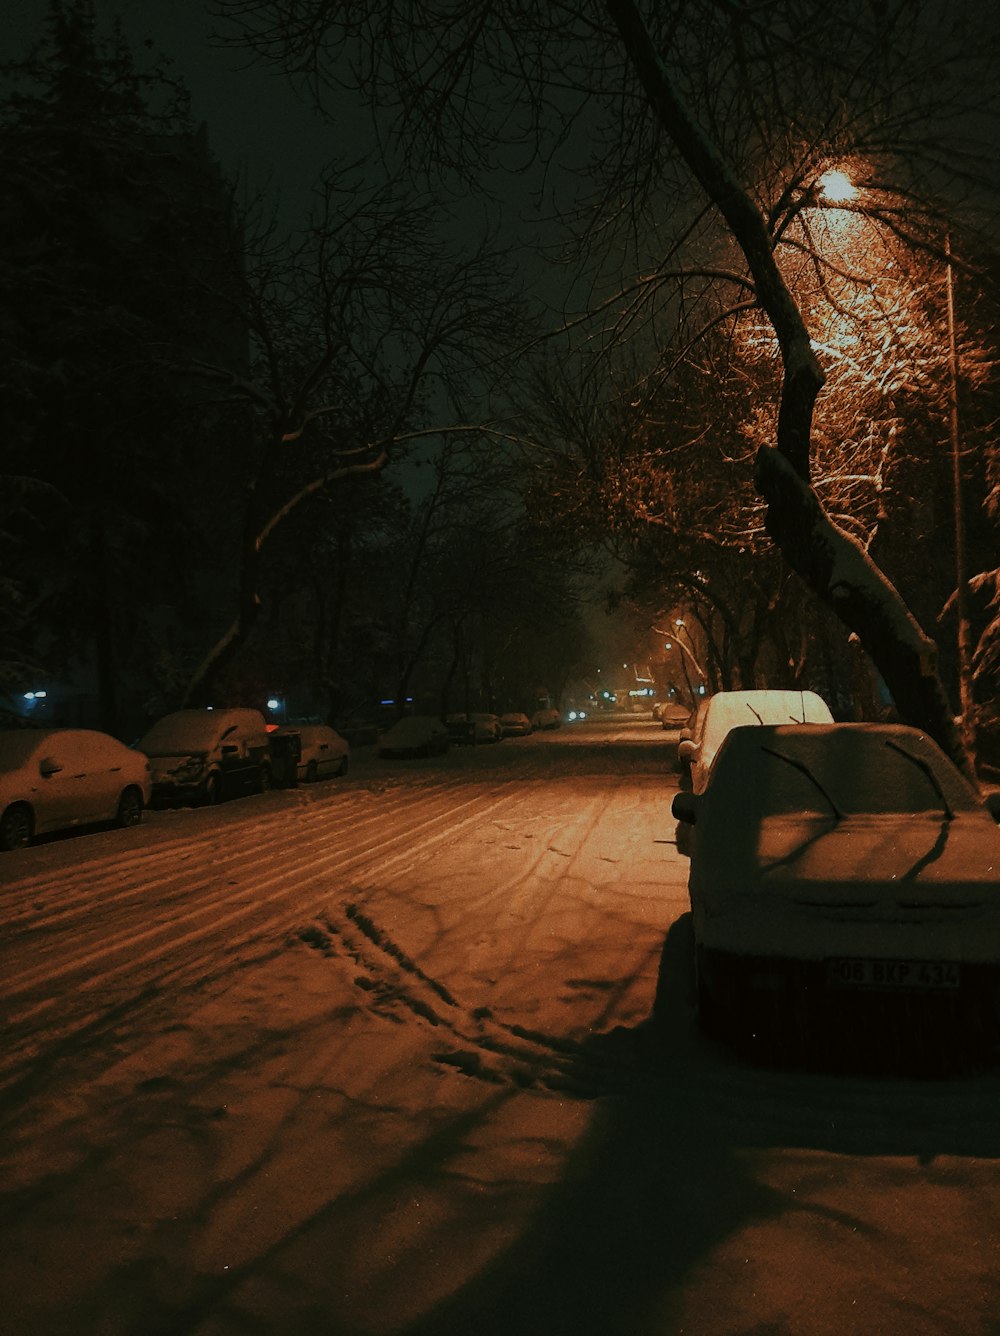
<point x="836" y="869"/>
<point x="55" y="779"/>
<point x="426" y="735"/>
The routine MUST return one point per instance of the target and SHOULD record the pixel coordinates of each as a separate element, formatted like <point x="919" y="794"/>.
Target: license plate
<point x="895" y="974"/>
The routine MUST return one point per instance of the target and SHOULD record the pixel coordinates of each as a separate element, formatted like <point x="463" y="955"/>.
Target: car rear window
<point x="857" y="771"/>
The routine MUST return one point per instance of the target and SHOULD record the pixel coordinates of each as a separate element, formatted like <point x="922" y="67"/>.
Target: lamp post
<point x="964" y="639"/>
<point x="836" y="188"/>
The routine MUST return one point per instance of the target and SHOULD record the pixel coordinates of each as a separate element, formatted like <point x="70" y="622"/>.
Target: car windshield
<point x="17" y="746"/>
<point x="844" y="770"/>
<point x="182" y="733"/>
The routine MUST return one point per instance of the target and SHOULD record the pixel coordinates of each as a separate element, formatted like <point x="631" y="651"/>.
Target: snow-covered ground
<point x="380" y="1057"/>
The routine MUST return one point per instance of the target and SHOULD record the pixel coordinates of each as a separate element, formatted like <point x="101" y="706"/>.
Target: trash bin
<point x="286" y="749"/>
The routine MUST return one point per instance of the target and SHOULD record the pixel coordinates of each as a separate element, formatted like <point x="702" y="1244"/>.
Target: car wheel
<point x="312" y="773"/>
<point x="16" y="827"/>
<point x="129" y="809"/>
<point x="343" y="767"/>
<point x="213" y="791"/>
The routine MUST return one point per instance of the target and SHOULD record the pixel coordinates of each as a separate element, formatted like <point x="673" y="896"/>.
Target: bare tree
<point x="705" y="130"/>
<point x="367" y="332"/>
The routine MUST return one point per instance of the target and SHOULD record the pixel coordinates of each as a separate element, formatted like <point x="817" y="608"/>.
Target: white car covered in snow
<point x="719" y="713"/>
<point x="56" y="778"/>
<point x="204" y="756"/>
<point x="323" y="753"/>
<point x="837" y="871"/>
<point x="415" y="735"/>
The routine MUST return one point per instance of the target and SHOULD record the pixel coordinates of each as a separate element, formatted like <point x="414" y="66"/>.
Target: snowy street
<point x="377" y="1056"/>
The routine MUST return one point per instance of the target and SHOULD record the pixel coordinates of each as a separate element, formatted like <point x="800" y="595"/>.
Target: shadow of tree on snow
<point x="662" y="1176"/>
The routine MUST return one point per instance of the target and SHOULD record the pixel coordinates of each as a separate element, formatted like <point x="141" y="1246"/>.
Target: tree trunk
<point x="842" y="574"/>
<point x="832" y="564"/>
<point x="107" y="687"/>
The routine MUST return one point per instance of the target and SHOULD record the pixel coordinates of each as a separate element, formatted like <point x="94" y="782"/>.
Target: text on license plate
<point x="893" y="973"/>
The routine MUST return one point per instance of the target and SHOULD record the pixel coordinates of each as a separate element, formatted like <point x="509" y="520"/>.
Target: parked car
<point x="836" y="870"/>
<point x="415" y="735"/>
<point x="323" y="753"/>
<point x="478" y="726"/>
<point x="691" y="729"/>
<point x="204" y="756"/>
<point x="461" y="729"/>
<point x="487" y="726"/>
<point x="57" y="778"/>
<point x="730" y="709"/>
<point x="671" y="714"/>
<point x="546" y="719"/>
<point x="515" y="724"/>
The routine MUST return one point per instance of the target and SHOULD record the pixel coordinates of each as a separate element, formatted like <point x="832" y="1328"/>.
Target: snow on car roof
<point x="17" y="744"/>
<point x="414" y="725"/>
<point x="730" y="709"/>
<point x="185" y="730"/>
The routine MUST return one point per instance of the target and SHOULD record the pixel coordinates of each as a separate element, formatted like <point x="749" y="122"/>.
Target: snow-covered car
<point x="690" y="730"/>
<point x="546" y="718"/>
<point x="515" y="724"/>
<point x="671" y="714"/>
<point x="730" y="709"/>
<point x="834" y="867"/>
<point x="415" y="735"/>
<point x="323" y="753"/>
<point x="479" y="726"/>
<point x="55" y="778"/>
<point x="204" y="756"/>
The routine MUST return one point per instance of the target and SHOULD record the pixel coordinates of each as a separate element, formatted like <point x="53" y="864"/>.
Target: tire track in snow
<point x="39" y="1019"/>
<point x="157" y="866"/>
<point x="472" y="1041"/>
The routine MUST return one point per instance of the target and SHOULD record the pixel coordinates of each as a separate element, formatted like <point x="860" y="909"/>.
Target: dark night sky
<point x="256" y="123"/>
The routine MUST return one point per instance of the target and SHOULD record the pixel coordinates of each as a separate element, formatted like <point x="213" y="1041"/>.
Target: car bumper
<point x="169" y="792"/>
<point x="928" y="1002"/>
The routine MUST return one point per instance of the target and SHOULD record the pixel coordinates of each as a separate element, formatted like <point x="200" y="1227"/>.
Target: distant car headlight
<point x="190" y="769"/>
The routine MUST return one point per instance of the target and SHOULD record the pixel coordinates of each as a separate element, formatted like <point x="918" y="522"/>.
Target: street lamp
<point x="964" y="641"/>
<point x="835" y="187"/>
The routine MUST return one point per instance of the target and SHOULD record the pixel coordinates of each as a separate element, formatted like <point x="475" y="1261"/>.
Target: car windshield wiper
<point x="804" y="769"/>
<point x="923" y="764"/>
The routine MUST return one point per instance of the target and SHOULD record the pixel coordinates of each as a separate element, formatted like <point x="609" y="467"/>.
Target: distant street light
<point x="668" y="645"/>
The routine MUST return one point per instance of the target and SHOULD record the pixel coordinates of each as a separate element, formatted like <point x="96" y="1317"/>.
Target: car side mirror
<point x="685" y="807"/>
<point x="687" y="749"/>
<point x="993" y="806"/>
<point x="49" y="766"/>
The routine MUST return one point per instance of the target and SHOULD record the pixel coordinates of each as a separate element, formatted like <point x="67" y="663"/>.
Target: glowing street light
<point x="836" y="187"/>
